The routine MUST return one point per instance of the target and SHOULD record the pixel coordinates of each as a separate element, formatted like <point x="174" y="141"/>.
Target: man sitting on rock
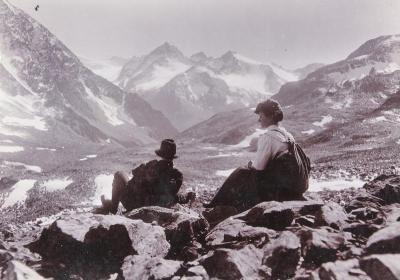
<point x="155" y="183"/>
<point x="280" y="171"/>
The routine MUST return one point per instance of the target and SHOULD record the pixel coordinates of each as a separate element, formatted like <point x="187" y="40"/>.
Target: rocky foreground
<point x="358" y="238"/>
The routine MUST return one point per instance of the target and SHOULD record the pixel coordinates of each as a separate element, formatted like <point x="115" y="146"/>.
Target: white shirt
<point x="270" y="144"/>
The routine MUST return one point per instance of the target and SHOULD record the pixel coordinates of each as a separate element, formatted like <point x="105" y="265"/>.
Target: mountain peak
<point x="166" y="49"/>
<point x="380" y="44"/>
<point x="200" y="56"/>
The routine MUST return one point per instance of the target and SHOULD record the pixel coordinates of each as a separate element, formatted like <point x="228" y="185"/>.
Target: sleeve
<point x="264" y="152"/>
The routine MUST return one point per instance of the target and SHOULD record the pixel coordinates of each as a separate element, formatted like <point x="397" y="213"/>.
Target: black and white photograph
<point x="200" y="139"/>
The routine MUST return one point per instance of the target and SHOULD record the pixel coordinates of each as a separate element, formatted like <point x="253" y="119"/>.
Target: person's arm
<point x="264" y="152"/>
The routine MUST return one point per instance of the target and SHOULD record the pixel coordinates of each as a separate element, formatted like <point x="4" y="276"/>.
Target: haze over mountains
<point x="48" y="96"/>
<point x="353" y="102"/>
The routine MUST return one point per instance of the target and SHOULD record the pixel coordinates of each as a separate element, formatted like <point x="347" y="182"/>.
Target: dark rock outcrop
<point x="321" y="245"/>
<point x="382" y="266"/>
<point x="94" y="245"/>
<point x="282" y="255"/>
<point x="346" y="270"/>
<point x="385" y="241"/>
<point x="181" y="228"/>
<point x="146" y="267"/>
<point x="243" y="263"/>
<point x="333" y="215"/>
<point x="385" y="187"/>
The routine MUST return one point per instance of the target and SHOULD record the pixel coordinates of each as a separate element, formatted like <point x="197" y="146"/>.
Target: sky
<point x="291" y="33"/>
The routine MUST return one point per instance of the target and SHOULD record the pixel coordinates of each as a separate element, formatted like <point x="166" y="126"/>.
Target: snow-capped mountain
<point x="336" y="101"/>
<point x="47" y="94"/>
<point x="190" y="90"/>
<point x="154" y="70"/>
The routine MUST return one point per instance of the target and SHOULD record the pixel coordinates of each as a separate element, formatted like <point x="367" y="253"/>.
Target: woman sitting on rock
<point x="155" y="183"/>
<point x="279" y="172"/>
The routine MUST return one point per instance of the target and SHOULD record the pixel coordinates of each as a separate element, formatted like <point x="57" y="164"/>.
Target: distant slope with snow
<point x="48" y="96"/>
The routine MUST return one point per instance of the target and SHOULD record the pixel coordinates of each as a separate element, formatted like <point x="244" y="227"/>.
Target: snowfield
<point x="10" y="149"/>
<point x="56" y="184"/>
<point x="18" y="192"/>
<point x="325" y="120"/>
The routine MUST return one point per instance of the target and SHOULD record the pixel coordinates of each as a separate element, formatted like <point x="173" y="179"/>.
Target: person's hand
<point x="191" y="196"/>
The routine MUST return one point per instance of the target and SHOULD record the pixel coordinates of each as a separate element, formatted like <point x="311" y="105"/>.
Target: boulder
<point x="308" y="221"/>
<point x="197" y="271"/>
<point x="385" y="241"/>
<point x="218" y="214"/>
<point x="332" y="215"/>
<point x="364" y="201"/>
<point x="382" y="266"/>
<point x="19" y="271"/>
<point x="346" y="270"/>
<point x="279" y="215"/>
<point x="234" y="264"/>
<point x="146" y="267"/>
<point x="97" y="244"/>
<point x="320" y="245"/>
<point x="5" y="257"/>
<point x="181" y="228"/>
<point x="392" y="213"/>
<point x="282" y="255"/>
<point x="385" y="187"/>
<point x="233" y="230"/>
<point x="365" y="213"/>
<point x="364" y="230"/>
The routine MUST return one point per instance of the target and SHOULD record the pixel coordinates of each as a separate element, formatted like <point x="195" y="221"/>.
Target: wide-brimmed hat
<point x="167" y="149"/>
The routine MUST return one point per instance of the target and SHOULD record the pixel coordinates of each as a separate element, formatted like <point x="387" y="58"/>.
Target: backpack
<point x="292" y="168"/>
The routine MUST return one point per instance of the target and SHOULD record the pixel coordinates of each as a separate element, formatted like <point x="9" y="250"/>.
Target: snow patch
<point x="56" y="184"/>
<point x="87" y="157"/>
<point x="286" y="75"/>
<point x="219" y="155"/>
<point x="106" y="105"/>
<point x="35" y="122"/>
<point x="308" y="132"/>
<point x="45" y="149"/>
<point x="334" y="184"/>
<point x="18" y="192"/>
<point x="398" y="142"/>
<point x="224" y="173"/>
<point x="10" y="149"/>
<point x="379" y="119"/>
<point x="325" y="120"/>
<point x="6" y="141"/>
<point x="33" y="168"/>
<point x="162" y="74"/>
<point x="252" y="82"/>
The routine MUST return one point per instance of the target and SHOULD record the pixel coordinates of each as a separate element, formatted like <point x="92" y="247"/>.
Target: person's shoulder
<point x="279" y="133"/>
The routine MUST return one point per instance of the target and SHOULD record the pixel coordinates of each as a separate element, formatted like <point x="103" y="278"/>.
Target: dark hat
<point x="270" y="107"/>
<point x="167" y="149"/>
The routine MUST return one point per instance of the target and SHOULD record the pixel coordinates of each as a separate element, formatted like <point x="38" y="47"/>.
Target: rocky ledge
<point x="312" y="239"/>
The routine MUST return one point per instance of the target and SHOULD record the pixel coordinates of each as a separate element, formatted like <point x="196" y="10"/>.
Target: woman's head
<point x="270" y="112"/>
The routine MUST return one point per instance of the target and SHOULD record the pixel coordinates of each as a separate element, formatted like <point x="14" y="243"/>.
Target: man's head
<point x="167" y="149"/>
<point x="270" y="112"/>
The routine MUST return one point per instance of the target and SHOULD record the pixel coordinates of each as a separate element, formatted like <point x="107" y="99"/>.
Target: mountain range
<point x="189" y="90"/>
<point x="353" y="103"/>
<point x="49" y="97"/>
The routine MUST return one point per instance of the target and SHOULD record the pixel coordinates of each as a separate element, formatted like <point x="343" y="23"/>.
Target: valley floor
<point x="53" y="180"/>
